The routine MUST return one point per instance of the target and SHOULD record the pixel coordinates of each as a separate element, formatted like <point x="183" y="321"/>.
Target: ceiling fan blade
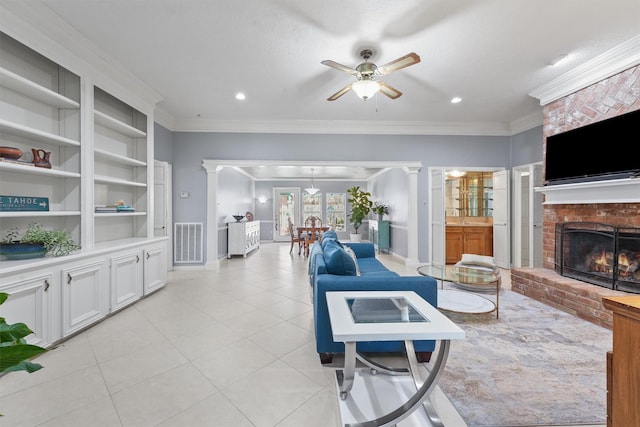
<point x="398" y="64"/>
<point x="334" y="64"/>
<point x="339" y="93"/>
<point x="391" y="92"/>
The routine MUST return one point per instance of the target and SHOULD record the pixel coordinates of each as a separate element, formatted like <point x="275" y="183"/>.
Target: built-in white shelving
<point x="100" y="161"/>
<point x="116" y="158"/>
<point x="33" y="90"/>
<point x="35" y="134"/>
<point x="117" y="125"/>
<point x="109" y="180"/>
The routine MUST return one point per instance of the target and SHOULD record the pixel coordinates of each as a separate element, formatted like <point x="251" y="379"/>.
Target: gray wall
<point x="190" y="148"/>
<point x="163" y="144"/>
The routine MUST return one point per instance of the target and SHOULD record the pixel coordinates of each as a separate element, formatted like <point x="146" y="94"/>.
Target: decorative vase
<point x="380" y="216"/>
<point x="10" y="153"/>
<point x="41" y="158"/>
<point x="354" y="237"/>
<point x="13" y="251"/>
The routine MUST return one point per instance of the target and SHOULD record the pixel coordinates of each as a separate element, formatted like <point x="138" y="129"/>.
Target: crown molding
<point x="342" y="127"/>
<point x="616" y="60"/>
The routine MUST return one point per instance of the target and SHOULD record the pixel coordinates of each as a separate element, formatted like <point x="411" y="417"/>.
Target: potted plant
<point x="381" y="209"/>
<point x="360" y="207"/>
<point x="15" y="353"/>
<point x="36" y="242"/>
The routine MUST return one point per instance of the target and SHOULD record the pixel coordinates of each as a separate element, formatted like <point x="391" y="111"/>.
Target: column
<point x="212" y="214"/>
<point x="412" y="220"/>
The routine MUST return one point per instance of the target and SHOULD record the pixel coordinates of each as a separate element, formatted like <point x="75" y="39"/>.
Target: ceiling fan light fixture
<point x="365" y="89"/>
<point x="312" y="190"/>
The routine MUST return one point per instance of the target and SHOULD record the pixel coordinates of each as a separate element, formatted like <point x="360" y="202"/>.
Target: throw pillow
<point x="482" y="260"/>
<point x="338" y="260"/>
<point x="330" y="234"/>
<point x="355" y="259"/>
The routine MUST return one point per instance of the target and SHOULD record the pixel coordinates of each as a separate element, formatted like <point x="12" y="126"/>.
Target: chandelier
<point x="312" y="190"/>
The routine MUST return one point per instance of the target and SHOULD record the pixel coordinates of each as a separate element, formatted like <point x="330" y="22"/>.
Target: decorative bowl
<point x="238" y="217"/>
<point x="10" y="153"/>
<point x="15" y="251"/>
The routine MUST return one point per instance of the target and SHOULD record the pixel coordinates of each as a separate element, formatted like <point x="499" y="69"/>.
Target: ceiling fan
<point x="365" y="86"/>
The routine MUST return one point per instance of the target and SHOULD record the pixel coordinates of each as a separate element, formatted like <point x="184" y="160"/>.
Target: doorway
<point x="286" y="204"/>
<point x="527" y="216"/>
<point x="485" y="205"/>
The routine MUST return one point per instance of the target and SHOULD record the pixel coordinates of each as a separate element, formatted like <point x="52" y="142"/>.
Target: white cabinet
<point x="85" y="295"/>
<point x="32" y="302"/>
<point x="99" y="148"/>
<point x="243" y="237"/>
<point x="40" y="110"/>
<point x="126" y="279"/>
<point x="155" y="267"/>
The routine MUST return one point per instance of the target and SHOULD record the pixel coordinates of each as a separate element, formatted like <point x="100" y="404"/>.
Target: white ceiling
<point x="196" y="54"/>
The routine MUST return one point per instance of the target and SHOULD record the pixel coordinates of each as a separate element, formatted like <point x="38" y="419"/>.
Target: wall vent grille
<point x="187" y="242"/>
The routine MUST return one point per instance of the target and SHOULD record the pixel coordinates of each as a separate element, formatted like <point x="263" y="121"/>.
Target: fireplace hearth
<point x="601" y="254"/>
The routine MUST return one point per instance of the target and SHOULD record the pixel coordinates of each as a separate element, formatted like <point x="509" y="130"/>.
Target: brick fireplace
<point x="610" y="97"/>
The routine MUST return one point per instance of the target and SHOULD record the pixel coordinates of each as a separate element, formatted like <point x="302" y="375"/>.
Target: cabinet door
<point x="475" y="241"/>
<point x="155" y="268"/>
<point x="454" y="244"/>
<point x="85" y="296"/>
<point x="30" y="302"/>
<point x="126" y="279"/>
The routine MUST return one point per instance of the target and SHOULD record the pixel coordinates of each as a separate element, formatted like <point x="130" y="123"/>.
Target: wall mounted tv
<point x="595" y="152"/>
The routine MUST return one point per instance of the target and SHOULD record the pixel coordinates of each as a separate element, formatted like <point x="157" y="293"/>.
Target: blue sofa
<point x="332" y="268"/>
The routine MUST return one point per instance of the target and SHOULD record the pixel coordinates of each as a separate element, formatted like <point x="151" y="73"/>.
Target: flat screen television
<point x="595" y="152"/>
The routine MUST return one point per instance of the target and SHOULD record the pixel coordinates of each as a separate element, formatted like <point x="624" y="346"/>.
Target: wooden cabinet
<point x="623" y="364"/>
<point x="243" y="237"/>
<point x="379" y="234"/>
<point x="468" y="240"/>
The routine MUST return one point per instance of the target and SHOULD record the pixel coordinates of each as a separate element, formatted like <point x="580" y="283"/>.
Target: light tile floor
<point x="231" y="347"/>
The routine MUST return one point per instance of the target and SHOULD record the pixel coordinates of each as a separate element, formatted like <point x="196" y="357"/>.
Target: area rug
<point x="536" y="365"/>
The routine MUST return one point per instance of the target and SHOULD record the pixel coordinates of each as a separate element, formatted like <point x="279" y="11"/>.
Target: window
<point x="337" y="210"/>
<point x="311" y="205"/>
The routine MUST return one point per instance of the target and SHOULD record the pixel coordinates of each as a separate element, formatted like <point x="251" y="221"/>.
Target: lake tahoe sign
<point x="23" y="203"/>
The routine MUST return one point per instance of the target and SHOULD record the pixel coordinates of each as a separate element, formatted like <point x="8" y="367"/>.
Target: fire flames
<point x="628" y="264"/>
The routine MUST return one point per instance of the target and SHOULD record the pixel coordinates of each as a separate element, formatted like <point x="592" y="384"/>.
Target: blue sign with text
<point x="23" y="203"/>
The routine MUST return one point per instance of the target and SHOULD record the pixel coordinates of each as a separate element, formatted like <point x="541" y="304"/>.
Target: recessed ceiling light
<point x="240" y="96"/>
<point x="456" y="99"/>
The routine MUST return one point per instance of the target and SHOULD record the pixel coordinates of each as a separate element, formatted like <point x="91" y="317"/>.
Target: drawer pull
<point x="69" y="278"/>
<point x="46" y="285"/>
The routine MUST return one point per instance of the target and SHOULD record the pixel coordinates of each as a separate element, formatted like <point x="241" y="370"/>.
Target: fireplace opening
<point x="601" y="254"/>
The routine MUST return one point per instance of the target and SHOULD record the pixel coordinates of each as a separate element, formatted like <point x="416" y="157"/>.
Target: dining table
<point x="304" y="232"/>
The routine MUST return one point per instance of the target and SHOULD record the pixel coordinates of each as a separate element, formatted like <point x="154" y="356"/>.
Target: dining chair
<point x="313" y="226"/>
<point x="295" y="238"/>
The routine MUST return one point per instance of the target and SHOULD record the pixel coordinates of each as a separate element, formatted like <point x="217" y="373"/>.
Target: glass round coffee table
<point x="467" y="279"/>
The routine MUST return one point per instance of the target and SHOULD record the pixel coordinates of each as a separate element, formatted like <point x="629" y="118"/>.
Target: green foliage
<point x="360" y="206"/>
<point x="57" y="242"/>
<point x="14" y="350"/>
<point x="380" y="209"/>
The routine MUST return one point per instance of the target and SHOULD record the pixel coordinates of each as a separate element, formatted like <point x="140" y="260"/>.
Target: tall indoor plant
<point x="361" y="205"/>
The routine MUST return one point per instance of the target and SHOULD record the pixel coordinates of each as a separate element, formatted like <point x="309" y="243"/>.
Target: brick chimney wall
<point x="611" y="97"/>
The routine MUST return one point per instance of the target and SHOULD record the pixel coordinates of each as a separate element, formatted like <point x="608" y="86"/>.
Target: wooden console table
<point x="623" y="364"/>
